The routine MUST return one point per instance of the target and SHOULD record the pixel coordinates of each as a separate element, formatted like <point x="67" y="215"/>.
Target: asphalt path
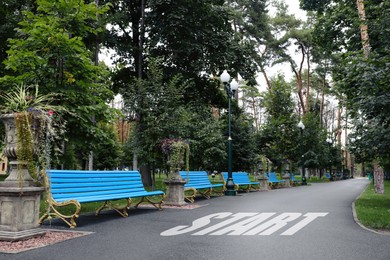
<point x="306" y="222"/>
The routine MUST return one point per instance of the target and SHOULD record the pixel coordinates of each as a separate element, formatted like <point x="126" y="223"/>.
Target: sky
<point x="294" y="8"/>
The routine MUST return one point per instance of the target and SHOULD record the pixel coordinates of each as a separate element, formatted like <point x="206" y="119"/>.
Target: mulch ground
<point x="51" y="237"/>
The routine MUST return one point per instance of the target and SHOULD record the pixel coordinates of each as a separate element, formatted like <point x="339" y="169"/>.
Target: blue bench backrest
<point x="272" y="177"/>
<point x="67" y="184"/>
<point x="195" y="178"/>
<point x="238" y="177"/>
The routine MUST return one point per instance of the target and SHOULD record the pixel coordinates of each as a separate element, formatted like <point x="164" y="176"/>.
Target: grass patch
<point x="373" y="210"/>
<point x="2" y="177"/>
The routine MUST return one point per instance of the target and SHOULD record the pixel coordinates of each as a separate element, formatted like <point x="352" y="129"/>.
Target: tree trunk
<point x="265" y="77"/>
<point x="379" y="179"/>
<point x="339" y="125"/>
<point x="255" y="117"/>
<point x="307" y="79"/>
<point x="146" y="175"/>
<point x="363" y="27"/>
<point x="322" y="101"/>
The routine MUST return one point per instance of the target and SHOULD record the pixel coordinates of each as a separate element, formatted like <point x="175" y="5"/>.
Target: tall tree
<point x="49" y="51"/>
<point x="290" y="30"/>
<point x="10" y="16"/>
<point x="278" y="137"/>
<point x="360" y="74"/>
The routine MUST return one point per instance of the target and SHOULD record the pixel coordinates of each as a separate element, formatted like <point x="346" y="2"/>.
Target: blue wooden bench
<point x="328" y="176"/>
<point x="241" y="181"/>
<point x="73" y="187"/>
<point x="273" y="180"/>
<point x="293" y="180"/>
<point x="198" y="182"/>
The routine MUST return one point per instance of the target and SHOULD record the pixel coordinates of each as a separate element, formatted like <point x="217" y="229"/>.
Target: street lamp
<point x="302" y="126"/>
<point x="329" y="141"/>
<point x="230" y="90"/>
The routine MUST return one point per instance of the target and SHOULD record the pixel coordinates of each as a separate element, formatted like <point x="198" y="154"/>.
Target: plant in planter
<point x="26" y="115"/>
<point x="178" y="152"/>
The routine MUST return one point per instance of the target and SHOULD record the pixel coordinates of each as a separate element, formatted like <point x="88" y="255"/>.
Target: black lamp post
<point x="230" y="90"/>
<point x="302" y="126"/>
<point x="329" y="141"/>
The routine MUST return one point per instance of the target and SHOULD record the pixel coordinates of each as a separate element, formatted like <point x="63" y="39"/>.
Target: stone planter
<point x="19" y="197"/>
<point x="286" y="178"/>
<point x="175" y="189"/>
<point x="19" y="176"/>
<point x="175" y="192"/>
<point x="263" y="183"/>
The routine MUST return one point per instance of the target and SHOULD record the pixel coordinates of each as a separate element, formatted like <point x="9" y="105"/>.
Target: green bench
<point x="241" y="181"/>
<point x="198" y="182"/>
<point x="73" y="187"/>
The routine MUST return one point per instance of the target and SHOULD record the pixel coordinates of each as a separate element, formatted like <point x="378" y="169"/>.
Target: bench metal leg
<point x="157" y="205"/>
<point x="121" y="211"/>
<point x="220" y="192"/>
<point x="206" y="194"/>
<point x="53" y="212"/>
<point x="190" y="197"/>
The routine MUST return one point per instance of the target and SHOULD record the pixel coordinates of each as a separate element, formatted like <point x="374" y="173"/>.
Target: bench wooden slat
<point x="111" y="196"/>
<point x="94" y="184"/>
<point x="71" y="193"/>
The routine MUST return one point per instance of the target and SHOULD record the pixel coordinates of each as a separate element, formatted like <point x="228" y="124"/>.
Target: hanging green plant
<point x="24" y="144"/>
<point x="178" y="152"/>
<point x="32" y="114"/>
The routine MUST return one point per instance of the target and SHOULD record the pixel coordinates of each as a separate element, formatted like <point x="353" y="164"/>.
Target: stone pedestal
<point x="286" y="178"/>
<point x="263" y="183"/>
<point x="174" y="192"/>
<point x="19" y="213"/>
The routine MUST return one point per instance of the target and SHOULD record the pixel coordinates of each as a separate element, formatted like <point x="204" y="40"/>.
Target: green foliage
<point x="108" y="152"/>
<point x="314" y="145"/>
<point x="10" y="16"/>
<point x="277" y="139"/>
<point x="49" y="50"/>
<point x="163" y="113"/>
<point x="314" y="5"/>
<point x="178" y="152"/>
<point x="22" y="99"/>
<point x="364" y="81"/>
<point x="243" y="143"/>
<point x="24" y="144"/>
<point x="69" y="159"/>
<point x="337" y="28"/>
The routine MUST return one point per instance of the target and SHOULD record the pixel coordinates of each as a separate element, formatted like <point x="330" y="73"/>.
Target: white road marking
<point x="245" y="223"/>
<point x="274" y="224"/>
<point x="309" y="218"/>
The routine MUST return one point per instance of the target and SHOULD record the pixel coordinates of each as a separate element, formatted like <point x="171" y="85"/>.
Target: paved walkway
<point x="308" y="222"/>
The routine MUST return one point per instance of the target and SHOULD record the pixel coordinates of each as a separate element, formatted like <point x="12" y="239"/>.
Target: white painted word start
<point x="250" y="223"/>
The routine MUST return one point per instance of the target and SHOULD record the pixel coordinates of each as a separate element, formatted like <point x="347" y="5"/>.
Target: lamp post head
<point x="301" y="125"/>
<point x="234" y="85"/>
<point x="225" y="77"/>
